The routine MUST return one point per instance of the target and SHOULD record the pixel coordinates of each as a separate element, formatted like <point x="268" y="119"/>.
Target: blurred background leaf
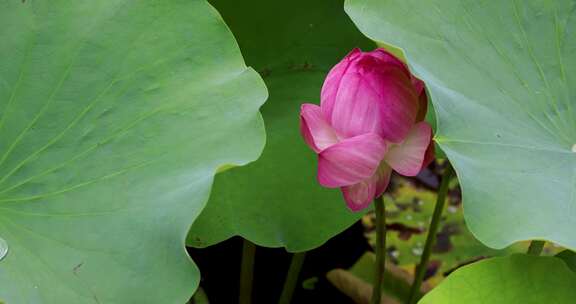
<point x="409" y="207"/>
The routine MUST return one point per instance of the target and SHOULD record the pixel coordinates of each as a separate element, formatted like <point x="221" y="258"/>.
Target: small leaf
<point x="517" y="278"/>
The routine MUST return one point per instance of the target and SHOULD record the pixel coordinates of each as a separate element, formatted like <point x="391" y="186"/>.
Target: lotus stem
<point x="247" y="272"/>
<point x="536" y="247"/>
<point x="292" y="277"/>
<point x="380" y="250"/>
<point x="432" y="230"/>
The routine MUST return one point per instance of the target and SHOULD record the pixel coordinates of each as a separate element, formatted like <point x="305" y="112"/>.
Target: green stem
<point x="536" y="247"/>
<point x="432" y="230"/>
<point x="380" y="250"/>
<point x="292" y="277"/>
<point x="247" y="272"/>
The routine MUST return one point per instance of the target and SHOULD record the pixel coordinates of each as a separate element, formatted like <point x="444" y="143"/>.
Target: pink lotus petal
<point x="316" y="131"/>
<point x="399" y="103"/>
<point x="332" y="82"/>
<point x="357" y="107"/>
<point x="422" y="98"/>
<point x="351" y="160"/>
<point x="389" y="58"/>
<point x="361" y="195"/>
<point x="380" y="101"/>
<point x="418" y="84"/>
<point x="382" y="177"/>
<point x="429" y="155"/>
<point x="408" y="157"/>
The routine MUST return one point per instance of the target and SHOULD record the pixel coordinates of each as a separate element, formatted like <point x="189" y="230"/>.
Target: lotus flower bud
<point x="369" y="122"/>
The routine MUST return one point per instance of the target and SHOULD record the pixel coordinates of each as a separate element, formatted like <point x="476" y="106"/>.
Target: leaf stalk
<point x="431" y="238"/>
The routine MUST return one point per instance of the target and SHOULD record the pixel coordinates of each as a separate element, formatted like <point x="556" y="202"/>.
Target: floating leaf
<point x="114" y="116"/>
<point x="501" y="75"/>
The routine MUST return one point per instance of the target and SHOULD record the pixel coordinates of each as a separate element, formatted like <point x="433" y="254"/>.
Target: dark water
<point x="220" y="269"/>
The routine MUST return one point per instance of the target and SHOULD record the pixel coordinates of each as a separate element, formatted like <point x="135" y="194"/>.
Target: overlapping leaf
<point x="502" y="78"/>
<point x="277" y="201"/>
<point x="114" y="116"/>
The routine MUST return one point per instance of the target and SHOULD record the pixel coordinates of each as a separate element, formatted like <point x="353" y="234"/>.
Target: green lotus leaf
<point x="114" y="117"/>
<point x="501" y="75"/>
<point x="277" y="200"/>
<point x="513" y="279"/>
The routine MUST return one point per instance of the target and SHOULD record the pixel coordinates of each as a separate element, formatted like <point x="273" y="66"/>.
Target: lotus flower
<point x="369" y="122"/>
